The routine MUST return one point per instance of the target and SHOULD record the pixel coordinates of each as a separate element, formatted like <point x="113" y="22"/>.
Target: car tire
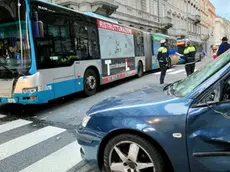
<point x="140" y="70"/>
<point x="147" y="152"/>
<point x="91" y="82"/>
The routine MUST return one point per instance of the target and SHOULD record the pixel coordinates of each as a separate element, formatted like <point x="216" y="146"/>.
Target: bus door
<point x="155" y="46"/>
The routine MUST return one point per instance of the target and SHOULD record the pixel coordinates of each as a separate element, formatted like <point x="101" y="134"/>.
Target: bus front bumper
<point x="26" y="98"/>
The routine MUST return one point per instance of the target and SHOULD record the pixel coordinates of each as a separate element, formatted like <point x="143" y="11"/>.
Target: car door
<point x="208" y="130"/>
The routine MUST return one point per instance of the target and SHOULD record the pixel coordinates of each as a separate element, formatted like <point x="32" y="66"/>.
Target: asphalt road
<point x="42" y="137"/>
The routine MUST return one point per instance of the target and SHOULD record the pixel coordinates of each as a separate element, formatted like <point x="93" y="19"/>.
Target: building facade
<point x="222" y="28"/>
<point x="186" y="18"/>
<point x="208" y="16"/>
<point x="142" y="14"/>
<point x="179" y="18"/>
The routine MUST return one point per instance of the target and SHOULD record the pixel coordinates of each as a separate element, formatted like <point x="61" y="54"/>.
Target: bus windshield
<point x="14" y="39"/>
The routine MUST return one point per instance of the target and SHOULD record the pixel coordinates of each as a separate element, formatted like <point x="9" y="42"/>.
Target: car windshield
<point x="184" y="87"/>
<point x="14" y="39"/>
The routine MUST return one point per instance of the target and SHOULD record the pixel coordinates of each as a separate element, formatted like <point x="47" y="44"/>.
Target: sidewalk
<point x="206" y="60"/>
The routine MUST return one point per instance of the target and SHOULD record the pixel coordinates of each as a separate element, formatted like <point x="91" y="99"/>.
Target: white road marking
<point x="13" y="124"/>
<point x="2" y="116"/>
<point x="176" y="72"/>
<point x="60" y="161"/>
<point x="169" y="70"/>
<point x="24" y="142"/>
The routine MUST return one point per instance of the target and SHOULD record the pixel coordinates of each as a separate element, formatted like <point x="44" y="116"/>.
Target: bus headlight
<point x="30" y="90"/>
<point x="85" y="121"/>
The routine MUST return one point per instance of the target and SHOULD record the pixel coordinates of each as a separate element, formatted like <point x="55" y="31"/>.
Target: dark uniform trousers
<point x="163" y="68"/>
<point x="190" y="65"/>
<point x="162" y="58"/>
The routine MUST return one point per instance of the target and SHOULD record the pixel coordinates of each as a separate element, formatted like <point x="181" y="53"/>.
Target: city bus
<point x="49" y="51"/>
<point x="172" y="48"/>
<point x="198" y="45"/>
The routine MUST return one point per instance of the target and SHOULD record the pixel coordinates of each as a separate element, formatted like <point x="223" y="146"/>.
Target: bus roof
<point x="183" y="40"/>
<point x="101" y="17"/>
<point x="164" y="35"/>
<point x="59" y="6"/>
<point x="91" y="14"/>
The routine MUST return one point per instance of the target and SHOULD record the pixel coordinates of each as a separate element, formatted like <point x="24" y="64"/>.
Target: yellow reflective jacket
<point x="162" y="55"/>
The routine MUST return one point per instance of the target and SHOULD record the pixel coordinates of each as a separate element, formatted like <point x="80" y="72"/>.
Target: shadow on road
<point x="24" y="111"/>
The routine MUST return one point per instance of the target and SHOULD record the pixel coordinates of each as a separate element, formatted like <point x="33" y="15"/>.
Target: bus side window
<point x="86" y="41"/>
<point x="54" y="49"/>
<point x="139" y="44"/>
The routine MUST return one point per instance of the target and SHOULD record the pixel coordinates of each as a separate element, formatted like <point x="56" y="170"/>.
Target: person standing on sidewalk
<point x="189" y="57"/>
<point x="223" y="47"/>
<point x="162" y="57"/>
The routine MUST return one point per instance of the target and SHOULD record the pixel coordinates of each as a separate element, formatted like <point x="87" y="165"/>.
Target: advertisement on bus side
<point x="116" y="66"/>
<point x="115" y="41"/>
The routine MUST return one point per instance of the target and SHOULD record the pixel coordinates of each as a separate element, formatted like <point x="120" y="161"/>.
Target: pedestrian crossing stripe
<point x="13" y="124"/>
<point x="21" y="143"/>
<point x="61" y="159"/>
<point x="174" y="72"/>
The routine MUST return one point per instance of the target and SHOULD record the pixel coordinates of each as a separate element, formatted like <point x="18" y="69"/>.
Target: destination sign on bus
<point x="113" y="27"/>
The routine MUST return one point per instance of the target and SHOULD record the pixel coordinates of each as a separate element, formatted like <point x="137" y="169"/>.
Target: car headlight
<point x="30" y="90"/>
<point x="85" y="121"/>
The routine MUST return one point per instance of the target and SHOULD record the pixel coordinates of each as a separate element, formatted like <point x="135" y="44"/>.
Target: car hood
<point x="149" y="99"/>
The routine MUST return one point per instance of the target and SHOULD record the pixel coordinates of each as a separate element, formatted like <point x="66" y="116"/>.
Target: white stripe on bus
<point x="2" y="116"/>
<point x="13" y="124"/>
<point x="60" y="161"/>
<point x="24" y="142"/>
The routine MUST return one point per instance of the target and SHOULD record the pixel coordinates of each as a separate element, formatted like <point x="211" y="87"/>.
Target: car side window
<point x="226" y="90"/>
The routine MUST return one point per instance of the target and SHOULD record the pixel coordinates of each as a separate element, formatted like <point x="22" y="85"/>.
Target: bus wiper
<point x="7" y="68"/>
<point x="15" y="73"/>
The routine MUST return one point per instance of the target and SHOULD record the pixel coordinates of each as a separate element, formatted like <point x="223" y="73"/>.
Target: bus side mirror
<point x="41" y="29"/>
<point x="38" y="27"/>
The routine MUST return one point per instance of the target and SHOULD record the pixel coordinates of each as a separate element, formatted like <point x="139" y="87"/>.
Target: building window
<point x="163" y="10"/>
<point x="155" y="8"/>
<point x="143" y="5"/>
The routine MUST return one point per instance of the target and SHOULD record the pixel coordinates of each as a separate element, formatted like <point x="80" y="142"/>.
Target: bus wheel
<point x="90" y="82"/>
<point x="140" y="70"/>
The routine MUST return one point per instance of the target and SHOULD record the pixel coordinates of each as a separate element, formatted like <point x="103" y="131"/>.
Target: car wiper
<point x="170" y="88"/>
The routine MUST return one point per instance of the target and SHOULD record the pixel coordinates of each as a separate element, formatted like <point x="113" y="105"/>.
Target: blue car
<point x="183" y="127"/>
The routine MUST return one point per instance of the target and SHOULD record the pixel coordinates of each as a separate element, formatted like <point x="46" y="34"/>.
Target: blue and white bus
<point x="172" y="48"/>
<point x="49" y="51"/>
<point x="198" y="45"/>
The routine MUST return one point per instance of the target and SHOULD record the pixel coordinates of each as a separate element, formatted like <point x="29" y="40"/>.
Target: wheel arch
<point x="96" y="70"/>
<point x="142" y="61"/>
<point x="133" y="132"/>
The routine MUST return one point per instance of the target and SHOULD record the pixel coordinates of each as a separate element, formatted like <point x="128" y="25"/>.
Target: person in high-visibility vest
<point x="189" y="57"/>
<point x="162" y="57"/>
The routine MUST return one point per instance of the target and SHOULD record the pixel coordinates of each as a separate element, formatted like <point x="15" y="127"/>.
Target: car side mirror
<point x="211" y="97"/>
